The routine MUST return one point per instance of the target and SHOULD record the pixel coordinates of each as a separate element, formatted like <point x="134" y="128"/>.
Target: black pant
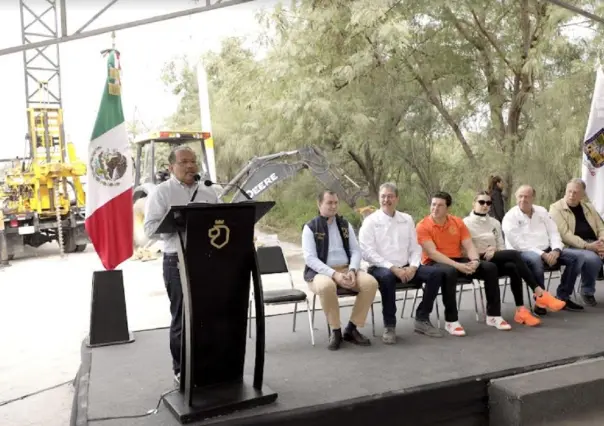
<point x="486" y="272"/>
<point x="174" y="289"/>
<point x="509" y="263"/>
<point x="433" y="277"/>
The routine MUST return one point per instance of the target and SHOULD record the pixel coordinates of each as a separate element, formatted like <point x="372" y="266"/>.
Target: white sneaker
<point x="499" y="323"/>
<point x="455" y="328"/>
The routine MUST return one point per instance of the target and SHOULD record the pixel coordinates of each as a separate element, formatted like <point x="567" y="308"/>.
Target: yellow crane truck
<point x="42" y="197"/>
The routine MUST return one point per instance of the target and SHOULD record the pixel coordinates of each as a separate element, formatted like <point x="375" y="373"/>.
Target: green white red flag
<point x="109" y="215"/>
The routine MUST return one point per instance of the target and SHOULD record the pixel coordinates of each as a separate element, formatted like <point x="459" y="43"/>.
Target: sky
<point x="144" y="51"/>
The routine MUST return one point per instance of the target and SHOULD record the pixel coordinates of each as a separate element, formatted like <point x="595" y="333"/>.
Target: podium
<point x="216" y="256"/>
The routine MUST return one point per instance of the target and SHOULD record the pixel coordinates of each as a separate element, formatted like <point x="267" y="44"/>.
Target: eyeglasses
<point x="483" y="202"/>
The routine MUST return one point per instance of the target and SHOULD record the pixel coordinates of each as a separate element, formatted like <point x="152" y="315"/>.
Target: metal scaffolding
<point x="44" y="26"/>
<point x="42" y="65"/>
<point x="80" y="33"/>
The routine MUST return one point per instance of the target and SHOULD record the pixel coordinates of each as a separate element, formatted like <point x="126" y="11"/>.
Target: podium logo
<point x="219" y="234"/>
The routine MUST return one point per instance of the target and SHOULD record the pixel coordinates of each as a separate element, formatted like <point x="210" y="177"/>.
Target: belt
<point x="170" y="254"/>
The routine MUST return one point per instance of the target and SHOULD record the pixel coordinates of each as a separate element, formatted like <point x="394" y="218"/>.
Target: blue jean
<point x="174" y="290"/>
<point x="432" y="276"/>
<point x="572" y="262"/>
<point x="592" y="265"/>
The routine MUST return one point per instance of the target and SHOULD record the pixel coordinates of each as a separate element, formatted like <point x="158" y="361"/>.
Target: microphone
<point x="196" y="178"/>
<point x="245" y="194"/>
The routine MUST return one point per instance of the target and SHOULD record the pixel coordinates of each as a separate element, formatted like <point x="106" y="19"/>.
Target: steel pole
<point x="118" y="27"/>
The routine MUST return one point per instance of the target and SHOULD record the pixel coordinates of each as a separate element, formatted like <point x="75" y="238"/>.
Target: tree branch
<point x="492" y="41"/>
<point x="430" y="92"/>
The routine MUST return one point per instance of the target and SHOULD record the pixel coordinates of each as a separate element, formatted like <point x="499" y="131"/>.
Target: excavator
<point x="259" y="175"/>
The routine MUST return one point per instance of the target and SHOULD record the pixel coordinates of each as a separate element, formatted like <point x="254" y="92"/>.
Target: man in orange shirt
<point x="442" y="237"/>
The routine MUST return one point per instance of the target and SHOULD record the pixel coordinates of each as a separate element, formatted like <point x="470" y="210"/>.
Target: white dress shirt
<point x="167" y="194"/>
<point x="535" y="233"/>
<point x="388" y="241"/>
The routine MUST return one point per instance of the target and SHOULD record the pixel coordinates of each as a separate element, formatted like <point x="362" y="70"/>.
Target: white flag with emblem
<point x="593" y="147"/>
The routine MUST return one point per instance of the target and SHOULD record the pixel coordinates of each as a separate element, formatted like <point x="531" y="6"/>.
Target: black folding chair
<point x="271" y="260"/>
<point x="461" y="281"/>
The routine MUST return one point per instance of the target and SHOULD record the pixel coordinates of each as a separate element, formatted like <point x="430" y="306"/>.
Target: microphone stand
<point x="197" y="178"/>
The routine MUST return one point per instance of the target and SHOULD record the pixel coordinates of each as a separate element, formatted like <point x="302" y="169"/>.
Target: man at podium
<point x="180" y="189"/>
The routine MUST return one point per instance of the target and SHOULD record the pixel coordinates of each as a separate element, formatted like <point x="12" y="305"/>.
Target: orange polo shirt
<point x="447" y="237"/>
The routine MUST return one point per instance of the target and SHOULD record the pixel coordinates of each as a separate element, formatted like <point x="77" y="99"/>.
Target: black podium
<point x="216" y="257"/>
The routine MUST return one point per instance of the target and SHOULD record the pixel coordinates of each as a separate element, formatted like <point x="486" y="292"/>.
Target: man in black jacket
<point x="333" y="256"/>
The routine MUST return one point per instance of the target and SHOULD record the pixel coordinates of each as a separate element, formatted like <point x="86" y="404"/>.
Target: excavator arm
<point x="262" y="173"/>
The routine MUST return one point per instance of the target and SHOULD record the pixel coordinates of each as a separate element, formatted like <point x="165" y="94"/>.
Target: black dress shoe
<point x="572" y="306"/>
<point x="589" y="299"/>
<point x="335" y="340"/>
<point x="354" y="336"/>
<point x="540" y="311"/>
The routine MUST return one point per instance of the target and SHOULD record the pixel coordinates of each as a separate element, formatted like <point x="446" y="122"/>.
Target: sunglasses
<point x="483" y="202"/>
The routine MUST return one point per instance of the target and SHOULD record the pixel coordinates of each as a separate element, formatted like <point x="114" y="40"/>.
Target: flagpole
<point x="109" y="210"/>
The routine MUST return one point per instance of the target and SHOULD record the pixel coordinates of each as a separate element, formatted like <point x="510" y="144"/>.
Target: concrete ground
<point x="45" y="314"/>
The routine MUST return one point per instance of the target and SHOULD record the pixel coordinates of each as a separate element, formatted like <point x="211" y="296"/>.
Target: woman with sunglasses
<point x="488" y="239"/>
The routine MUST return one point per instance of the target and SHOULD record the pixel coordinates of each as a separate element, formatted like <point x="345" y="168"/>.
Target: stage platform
<point x="418" y="381"/>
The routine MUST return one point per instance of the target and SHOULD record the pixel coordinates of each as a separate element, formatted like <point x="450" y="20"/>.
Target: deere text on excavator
<point x="257" y="176"/>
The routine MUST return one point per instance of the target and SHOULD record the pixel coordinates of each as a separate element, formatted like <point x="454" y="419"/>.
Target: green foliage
<point x="417" y="92"/>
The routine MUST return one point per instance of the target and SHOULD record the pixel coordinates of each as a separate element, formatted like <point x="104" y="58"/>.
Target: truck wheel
<point x="11" y="256"/>
<point x="80" y="248"/>
<point x="69" y="243"/>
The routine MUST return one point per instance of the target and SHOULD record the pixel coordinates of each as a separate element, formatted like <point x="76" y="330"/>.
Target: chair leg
<point x="373" y="320"/>
<point x="437" y="314"/>
<point x="549" y="280"/>
<point x="475" y="301"/>
<point x="295" y="315"/>
<point x="482" y="297"/>
<point x="505" y="287"/>
<point x="404" y="303"/>
<point x="529" y="297"/>
<point x="412" y="314"/>
<point x="311" y="326"/>
<point x="459" y="300"/>
<point x="249" y="320"/>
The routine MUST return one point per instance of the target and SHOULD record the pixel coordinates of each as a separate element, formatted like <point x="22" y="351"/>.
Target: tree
<point x="420" y="93"/>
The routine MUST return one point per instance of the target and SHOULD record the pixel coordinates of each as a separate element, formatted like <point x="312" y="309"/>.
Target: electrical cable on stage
<point x="135" y="416"/>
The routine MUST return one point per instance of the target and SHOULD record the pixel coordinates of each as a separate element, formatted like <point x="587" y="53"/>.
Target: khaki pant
<point x="325" y="287"/>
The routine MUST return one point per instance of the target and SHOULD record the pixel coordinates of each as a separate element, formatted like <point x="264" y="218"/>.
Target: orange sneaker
<point x="524" y="316"/>
<point x="548" y="301"/>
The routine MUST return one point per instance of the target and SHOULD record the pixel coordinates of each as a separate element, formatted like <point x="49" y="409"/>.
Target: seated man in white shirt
<point x="333" y="256"/>
<point x="389" y="244"/>
<point x="529" y="229"/>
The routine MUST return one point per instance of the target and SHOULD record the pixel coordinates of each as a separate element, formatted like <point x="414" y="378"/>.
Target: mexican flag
<point x="593" y="147"/>
<point x="109" y="214"/>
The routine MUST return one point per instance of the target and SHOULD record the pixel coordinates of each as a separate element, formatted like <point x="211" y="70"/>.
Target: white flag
<point x="593" y="147"/>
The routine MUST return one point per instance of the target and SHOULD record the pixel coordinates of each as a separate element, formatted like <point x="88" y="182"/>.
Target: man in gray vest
<point x="333" y="256"/>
